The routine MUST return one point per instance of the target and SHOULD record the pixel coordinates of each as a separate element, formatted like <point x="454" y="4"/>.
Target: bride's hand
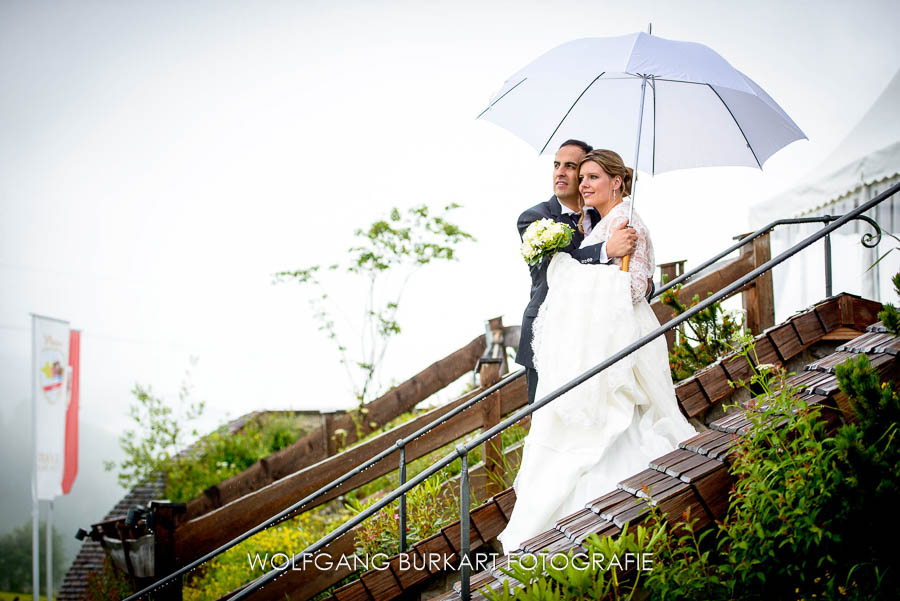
<point x="622" y="241"/>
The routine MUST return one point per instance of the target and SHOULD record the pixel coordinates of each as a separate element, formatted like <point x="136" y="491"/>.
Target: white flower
<point x="542" y="238"/>
<point x="527" y="250"/>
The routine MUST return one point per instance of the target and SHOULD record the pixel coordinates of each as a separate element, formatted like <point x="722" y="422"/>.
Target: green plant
<point x="705" y="337"/>
<point x="108" y="583"/>
<point x="596" y="576"/>
<point x="889" y="316"/>
<point x="221" y="455"/>
<point x="250" y="558"/>
<point x="505" y="477"/>
<point x="159" y="433"/>
<point x="805" y="505"/>
<point x="390" y="251"/>
<point x="429" y="507"/>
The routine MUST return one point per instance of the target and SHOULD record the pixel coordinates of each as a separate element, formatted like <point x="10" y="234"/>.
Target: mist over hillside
<point x="93" y="494"/>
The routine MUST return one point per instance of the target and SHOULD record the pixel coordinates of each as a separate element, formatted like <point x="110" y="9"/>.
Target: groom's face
<point x="565" y="172"/>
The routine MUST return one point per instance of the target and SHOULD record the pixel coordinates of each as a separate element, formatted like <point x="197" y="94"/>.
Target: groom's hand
<point x="622" y="241"/>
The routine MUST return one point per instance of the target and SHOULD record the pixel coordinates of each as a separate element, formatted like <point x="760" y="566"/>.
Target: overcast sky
<point x="160" y="160"/>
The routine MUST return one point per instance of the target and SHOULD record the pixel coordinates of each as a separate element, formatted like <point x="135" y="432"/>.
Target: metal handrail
<point x="462" y="450"/>
<point x="404" y="487"/>
<point x="868" y="240"/>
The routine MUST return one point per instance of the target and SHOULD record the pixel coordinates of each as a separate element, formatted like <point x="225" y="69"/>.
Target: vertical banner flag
<point x="51" y="358"/>
<point x="70" y="461"/>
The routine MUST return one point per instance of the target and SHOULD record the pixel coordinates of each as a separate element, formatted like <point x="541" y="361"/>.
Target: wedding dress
<point x="583" y="443"/>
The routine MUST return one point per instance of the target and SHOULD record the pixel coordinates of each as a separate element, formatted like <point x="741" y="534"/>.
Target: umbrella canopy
<point x="692" y="108"/>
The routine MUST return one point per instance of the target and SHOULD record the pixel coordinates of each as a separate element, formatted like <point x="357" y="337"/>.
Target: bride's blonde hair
<point x="613" y="165"/>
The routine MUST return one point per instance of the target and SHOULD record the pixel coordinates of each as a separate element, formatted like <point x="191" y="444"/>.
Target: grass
<point x="5" y="596"/>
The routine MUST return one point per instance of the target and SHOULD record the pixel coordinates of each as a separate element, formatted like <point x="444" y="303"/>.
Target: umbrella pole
<point x="637" y="154"/>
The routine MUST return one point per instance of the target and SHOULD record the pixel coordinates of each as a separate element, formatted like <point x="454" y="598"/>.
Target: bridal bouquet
<point x="543" y="238"/>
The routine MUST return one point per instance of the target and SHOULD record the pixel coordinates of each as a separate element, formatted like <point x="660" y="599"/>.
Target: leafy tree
<point x="159" y="435"/>
<point x="15" y="558"/>
<point x="388" y="253"/>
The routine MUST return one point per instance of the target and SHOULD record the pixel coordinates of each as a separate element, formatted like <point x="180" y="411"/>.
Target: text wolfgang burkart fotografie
<point x="435" y="562"/>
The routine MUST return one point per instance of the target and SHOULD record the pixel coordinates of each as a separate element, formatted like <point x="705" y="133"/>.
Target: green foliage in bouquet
<point x="544" y="238"/>
<point x="704" y="337"/>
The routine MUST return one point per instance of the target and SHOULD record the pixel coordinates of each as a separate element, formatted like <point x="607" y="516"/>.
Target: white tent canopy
<point x="865" y="163"/>
<point x="869" y="154"/>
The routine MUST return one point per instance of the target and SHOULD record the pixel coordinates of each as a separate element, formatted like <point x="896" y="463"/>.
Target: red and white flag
<point x="53" y="379"/>
<point x="70" y="460"/>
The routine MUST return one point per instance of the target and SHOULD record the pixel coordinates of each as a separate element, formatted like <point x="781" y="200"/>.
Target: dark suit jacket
<point x="590" y="254"/>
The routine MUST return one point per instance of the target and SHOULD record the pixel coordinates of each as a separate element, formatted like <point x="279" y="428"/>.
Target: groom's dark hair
<point x="582" y="145"/>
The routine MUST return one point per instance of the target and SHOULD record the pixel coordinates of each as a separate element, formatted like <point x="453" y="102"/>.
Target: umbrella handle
<point x="625" y="262"/>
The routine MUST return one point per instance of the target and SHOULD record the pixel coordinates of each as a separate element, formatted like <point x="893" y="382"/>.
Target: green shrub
<point x="703" y="338"/>
<point x="221" y="455"/>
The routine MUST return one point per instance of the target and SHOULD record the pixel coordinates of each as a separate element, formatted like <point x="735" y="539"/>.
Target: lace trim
<point x="642" y="264"/>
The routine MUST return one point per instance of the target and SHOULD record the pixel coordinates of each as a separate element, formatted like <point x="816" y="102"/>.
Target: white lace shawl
<point x="642" y="263"/>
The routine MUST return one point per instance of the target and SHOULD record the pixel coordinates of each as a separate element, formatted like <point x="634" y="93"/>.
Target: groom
<point x="563" y="207"/>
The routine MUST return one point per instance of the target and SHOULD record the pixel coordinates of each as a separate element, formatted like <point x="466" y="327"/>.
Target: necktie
<point x="573" y="218"/>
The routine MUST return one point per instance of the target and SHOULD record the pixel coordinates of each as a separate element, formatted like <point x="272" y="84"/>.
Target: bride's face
<point x="596" y="185"/>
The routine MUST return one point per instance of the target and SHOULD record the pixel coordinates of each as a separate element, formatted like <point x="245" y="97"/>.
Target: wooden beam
<point x="711" y="282"/>
<point x="310" y="449"/>
<point x="668" y="272"/>
<point x="758" y="299"/>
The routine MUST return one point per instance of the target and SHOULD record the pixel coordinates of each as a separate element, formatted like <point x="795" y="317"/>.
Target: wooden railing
<point x="757" y="297"/>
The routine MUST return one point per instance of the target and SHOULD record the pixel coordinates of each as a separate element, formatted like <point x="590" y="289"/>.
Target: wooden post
<point x="492" y="449"/>
<point x="123" y="533"/>
<point x="329" y="444"/>
<point x="164" y="560"/>
<point x="758" y="299"/>
<point x="670" y="271"/>
<point x="498" y="348"/>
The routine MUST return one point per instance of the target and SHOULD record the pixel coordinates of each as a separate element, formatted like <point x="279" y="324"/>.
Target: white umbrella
<point x="685" y="104"/>
<point x="693" y="108"/>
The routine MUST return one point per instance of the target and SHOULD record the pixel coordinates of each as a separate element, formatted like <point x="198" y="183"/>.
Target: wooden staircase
<point x="692" y="476"/>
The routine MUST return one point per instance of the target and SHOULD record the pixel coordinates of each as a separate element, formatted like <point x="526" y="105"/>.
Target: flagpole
<point x="35" y="507"/>
<point x="49" y="551"/>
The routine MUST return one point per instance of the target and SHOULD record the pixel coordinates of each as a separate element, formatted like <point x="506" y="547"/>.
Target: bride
<point x="583" y="443"/>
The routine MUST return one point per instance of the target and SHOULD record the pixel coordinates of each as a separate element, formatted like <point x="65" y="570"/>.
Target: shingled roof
<point x="693" y="475"/>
